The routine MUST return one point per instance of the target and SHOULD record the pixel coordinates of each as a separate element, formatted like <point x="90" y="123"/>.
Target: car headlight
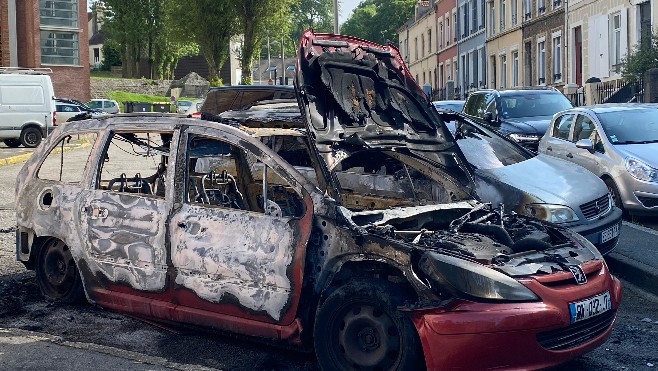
<point x="641" y="171"/>
<point x="551" y="213"/>
<point x="474" y="280"/>
<point x="524" y="137"/>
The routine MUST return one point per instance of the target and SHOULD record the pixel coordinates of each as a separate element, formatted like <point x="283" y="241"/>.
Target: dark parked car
<point x="522" y="114"/>
<point x="385" y="261"/>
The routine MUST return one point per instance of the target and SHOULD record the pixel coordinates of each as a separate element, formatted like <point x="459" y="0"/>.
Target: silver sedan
<point x="618" y="143"/>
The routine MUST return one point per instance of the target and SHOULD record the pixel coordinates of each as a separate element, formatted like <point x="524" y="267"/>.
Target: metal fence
<point x="621" y="91"/>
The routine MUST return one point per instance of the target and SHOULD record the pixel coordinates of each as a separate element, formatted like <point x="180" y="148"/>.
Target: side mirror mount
<point x="585" y="144"/>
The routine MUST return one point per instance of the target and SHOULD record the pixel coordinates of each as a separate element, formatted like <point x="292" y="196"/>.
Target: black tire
<point x="616" y="198"/>
<point x="57" y="275"/>
<point x="12" y="143"/>
<point x="31" y="137"/>
<point x="359" y="327"/>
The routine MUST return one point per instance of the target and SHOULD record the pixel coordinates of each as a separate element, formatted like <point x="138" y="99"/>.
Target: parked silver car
<point x="618" y="143"/>
<point x="539" y="186"/>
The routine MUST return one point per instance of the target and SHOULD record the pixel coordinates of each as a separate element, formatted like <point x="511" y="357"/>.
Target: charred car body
<point x="385" y="262"/>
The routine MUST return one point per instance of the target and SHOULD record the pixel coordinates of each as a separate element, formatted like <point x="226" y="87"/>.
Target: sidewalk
<point x="636" y="257"/>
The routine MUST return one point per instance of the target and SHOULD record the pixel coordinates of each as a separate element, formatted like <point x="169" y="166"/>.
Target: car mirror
<point x="489" y="117"/>
<point x="585" y="144"/>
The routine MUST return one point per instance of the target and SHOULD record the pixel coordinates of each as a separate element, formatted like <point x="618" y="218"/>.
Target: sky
<point x="346" y="9"/>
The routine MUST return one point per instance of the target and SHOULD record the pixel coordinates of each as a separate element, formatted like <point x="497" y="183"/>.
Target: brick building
<point x="48" y="33"/>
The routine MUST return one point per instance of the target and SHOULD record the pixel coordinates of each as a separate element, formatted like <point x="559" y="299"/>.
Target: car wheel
<point x="359" y="327"/>
<point x="31" y="137"/>
<point x="57" y="275"/>
<point x="12" y="143"/>
<point x="616" y="198"/>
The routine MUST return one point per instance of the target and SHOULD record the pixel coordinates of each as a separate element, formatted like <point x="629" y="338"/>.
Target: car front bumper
<point x="480" y="336"/>
<point x="593" y="230"/>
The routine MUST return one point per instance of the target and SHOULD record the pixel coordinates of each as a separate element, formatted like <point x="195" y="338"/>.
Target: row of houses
<point x="510" y="43"/>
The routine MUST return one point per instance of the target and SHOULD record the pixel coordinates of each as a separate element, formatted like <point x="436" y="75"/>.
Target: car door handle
<point x="95" y="211"/>
<point x="549" y="148"/>
<point x="569" y="155"/>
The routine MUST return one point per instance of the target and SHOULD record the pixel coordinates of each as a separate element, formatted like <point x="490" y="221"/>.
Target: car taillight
<point x="54" y="118"/>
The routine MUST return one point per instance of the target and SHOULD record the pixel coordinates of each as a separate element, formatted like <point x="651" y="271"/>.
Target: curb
<point x="635" y="272"/>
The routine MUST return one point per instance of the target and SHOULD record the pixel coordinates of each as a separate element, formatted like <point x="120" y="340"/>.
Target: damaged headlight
<point x="551" y="213"/>
<point x="474" y="280"/>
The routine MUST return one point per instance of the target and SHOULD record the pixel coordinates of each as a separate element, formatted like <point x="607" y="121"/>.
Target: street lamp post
<point x="336" y="16"/>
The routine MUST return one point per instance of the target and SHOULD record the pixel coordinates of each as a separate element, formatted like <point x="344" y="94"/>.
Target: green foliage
<point x="258" y="18"/>
<point x="642" y="58"/>
<point x="378" y="20"/>
<point x="315" y="14"/>
<point x="111" y="55"/>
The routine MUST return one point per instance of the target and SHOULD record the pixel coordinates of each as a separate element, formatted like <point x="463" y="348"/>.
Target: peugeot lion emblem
<point x="578" y="274"/>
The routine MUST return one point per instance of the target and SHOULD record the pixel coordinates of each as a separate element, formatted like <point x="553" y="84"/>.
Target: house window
<point x="527" y="9"/>
<point x="541" y="62"/>
<point x="482" y="61"/>
<point x="416" y="49"/>
<point x="58" y="13"/>
<point x="482" y="14"/>
<point x="422" y="45"/>
<point x="503" y="71"/>
<point x="541" y="7"/>
<point x="492" y="19"/>
<point x="513" y="10"/>
<point x="454" y="25"/>
<point x="59" y="47"/>
<point x="474" y="16"/>
<point x="557" y="58"/>
<point x="615" y="42"/>
<point x="474" y="73"/>
<point x="515" y="68"/>
<point x="59" y="33"/>
<point x="440" y="34"/>
<point x="429" y="40"/>
<point x="557" y="4"/>
<point x="448" y="36"/>
<point x="502" y="15"/>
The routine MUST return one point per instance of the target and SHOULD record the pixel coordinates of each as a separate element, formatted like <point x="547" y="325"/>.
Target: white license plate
<point x="590" y="307"/>
<point x="610" y="233"/>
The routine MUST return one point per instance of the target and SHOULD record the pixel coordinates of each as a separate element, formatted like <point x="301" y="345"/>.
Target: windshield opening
<point x="630" y="126"/>
<point x="531" y="105"/>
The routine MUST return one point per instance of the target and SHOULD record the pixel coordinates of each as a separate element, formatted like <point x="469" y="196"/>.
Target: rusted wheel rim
<point x="368" y="338"/>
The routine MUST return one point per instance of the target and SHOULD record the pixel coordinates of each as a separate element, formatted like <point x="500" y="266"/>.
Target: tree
<point x="378" y="20"/>
<point x="315" y="14"/>
<point x="210" y="24"/>
<point x="256" y="18"/>
<point x="642" y="58"/>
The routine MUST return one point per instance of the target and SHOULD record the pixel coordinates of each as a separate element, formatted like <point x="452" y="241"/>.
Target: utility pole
<point x="283" y="62"/>
<point x="336" y="16"/>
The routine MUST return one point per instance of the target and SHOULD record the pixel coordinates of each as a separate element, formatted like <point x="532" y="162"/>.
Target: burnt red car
<point x="368" y="245"/>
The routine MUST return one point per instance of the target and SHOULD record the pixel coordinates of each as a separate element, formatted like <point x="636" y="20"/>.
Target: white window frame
<point x="441" y="33"/>
<point x="541" y="4"/>
<point x="615" y="42"/>
<point x="527" y="9"/>
<point x="515" y="68"/>
<point x="503" y="11"/>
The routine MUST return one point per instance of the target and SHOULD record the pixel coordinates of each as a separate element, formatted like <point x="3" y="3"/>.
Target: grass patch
<point x="105" y="74"/>
<point x="122" y="96"/>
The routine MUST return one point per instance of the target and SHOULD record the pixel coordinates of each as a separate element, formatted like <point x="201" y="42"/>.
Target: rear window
<point x="531" y="105"/>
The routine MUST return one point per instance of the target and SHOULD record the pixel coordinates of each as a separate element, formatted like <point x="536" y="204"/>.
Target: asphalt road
<point x="35" y="334"/>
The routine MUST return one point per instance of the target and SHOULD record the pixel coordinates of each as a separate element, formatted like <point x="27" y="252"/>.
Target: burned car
<point x="370" y="248"/>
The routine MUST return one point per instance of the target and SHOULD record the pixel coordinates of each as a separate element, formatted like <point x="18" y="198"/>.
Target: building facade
<point x="48" y="33"/>
<point x="417" y="40"/>
<point x="471" y="49"/>
<point x="446" y="56"/>
<point x="504" y="43"/>
<point x="543" y="43"/>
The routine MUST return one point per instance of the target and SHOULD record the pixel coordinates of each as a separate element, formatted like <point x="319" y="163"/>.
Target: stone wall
<point x="152" y="87"/>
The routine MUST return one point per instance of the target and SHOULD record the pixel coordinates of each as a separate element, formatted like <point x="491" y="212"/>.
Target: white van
<point x="26" y="105"/>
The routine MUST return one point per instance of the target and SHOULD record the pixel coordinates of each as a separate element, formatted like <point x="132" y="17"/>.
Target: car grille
<point x="596" y="208"/>
<point x="607" y="246"/>
<point x="576" y="334"/>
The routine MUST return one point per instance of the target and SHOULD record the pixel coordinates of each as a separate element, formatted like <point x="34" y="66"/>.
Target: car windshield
<point x="631" y="126"/>
<point x="457" y="107"/>
<point x="486" y="150"/>
<point x="184" y="103"/>
<point x="533" y="104"/>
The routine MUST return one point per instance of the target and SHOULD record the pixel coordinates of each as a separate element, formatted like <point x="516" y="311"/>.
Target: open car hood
<point x="356" y="94"/>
